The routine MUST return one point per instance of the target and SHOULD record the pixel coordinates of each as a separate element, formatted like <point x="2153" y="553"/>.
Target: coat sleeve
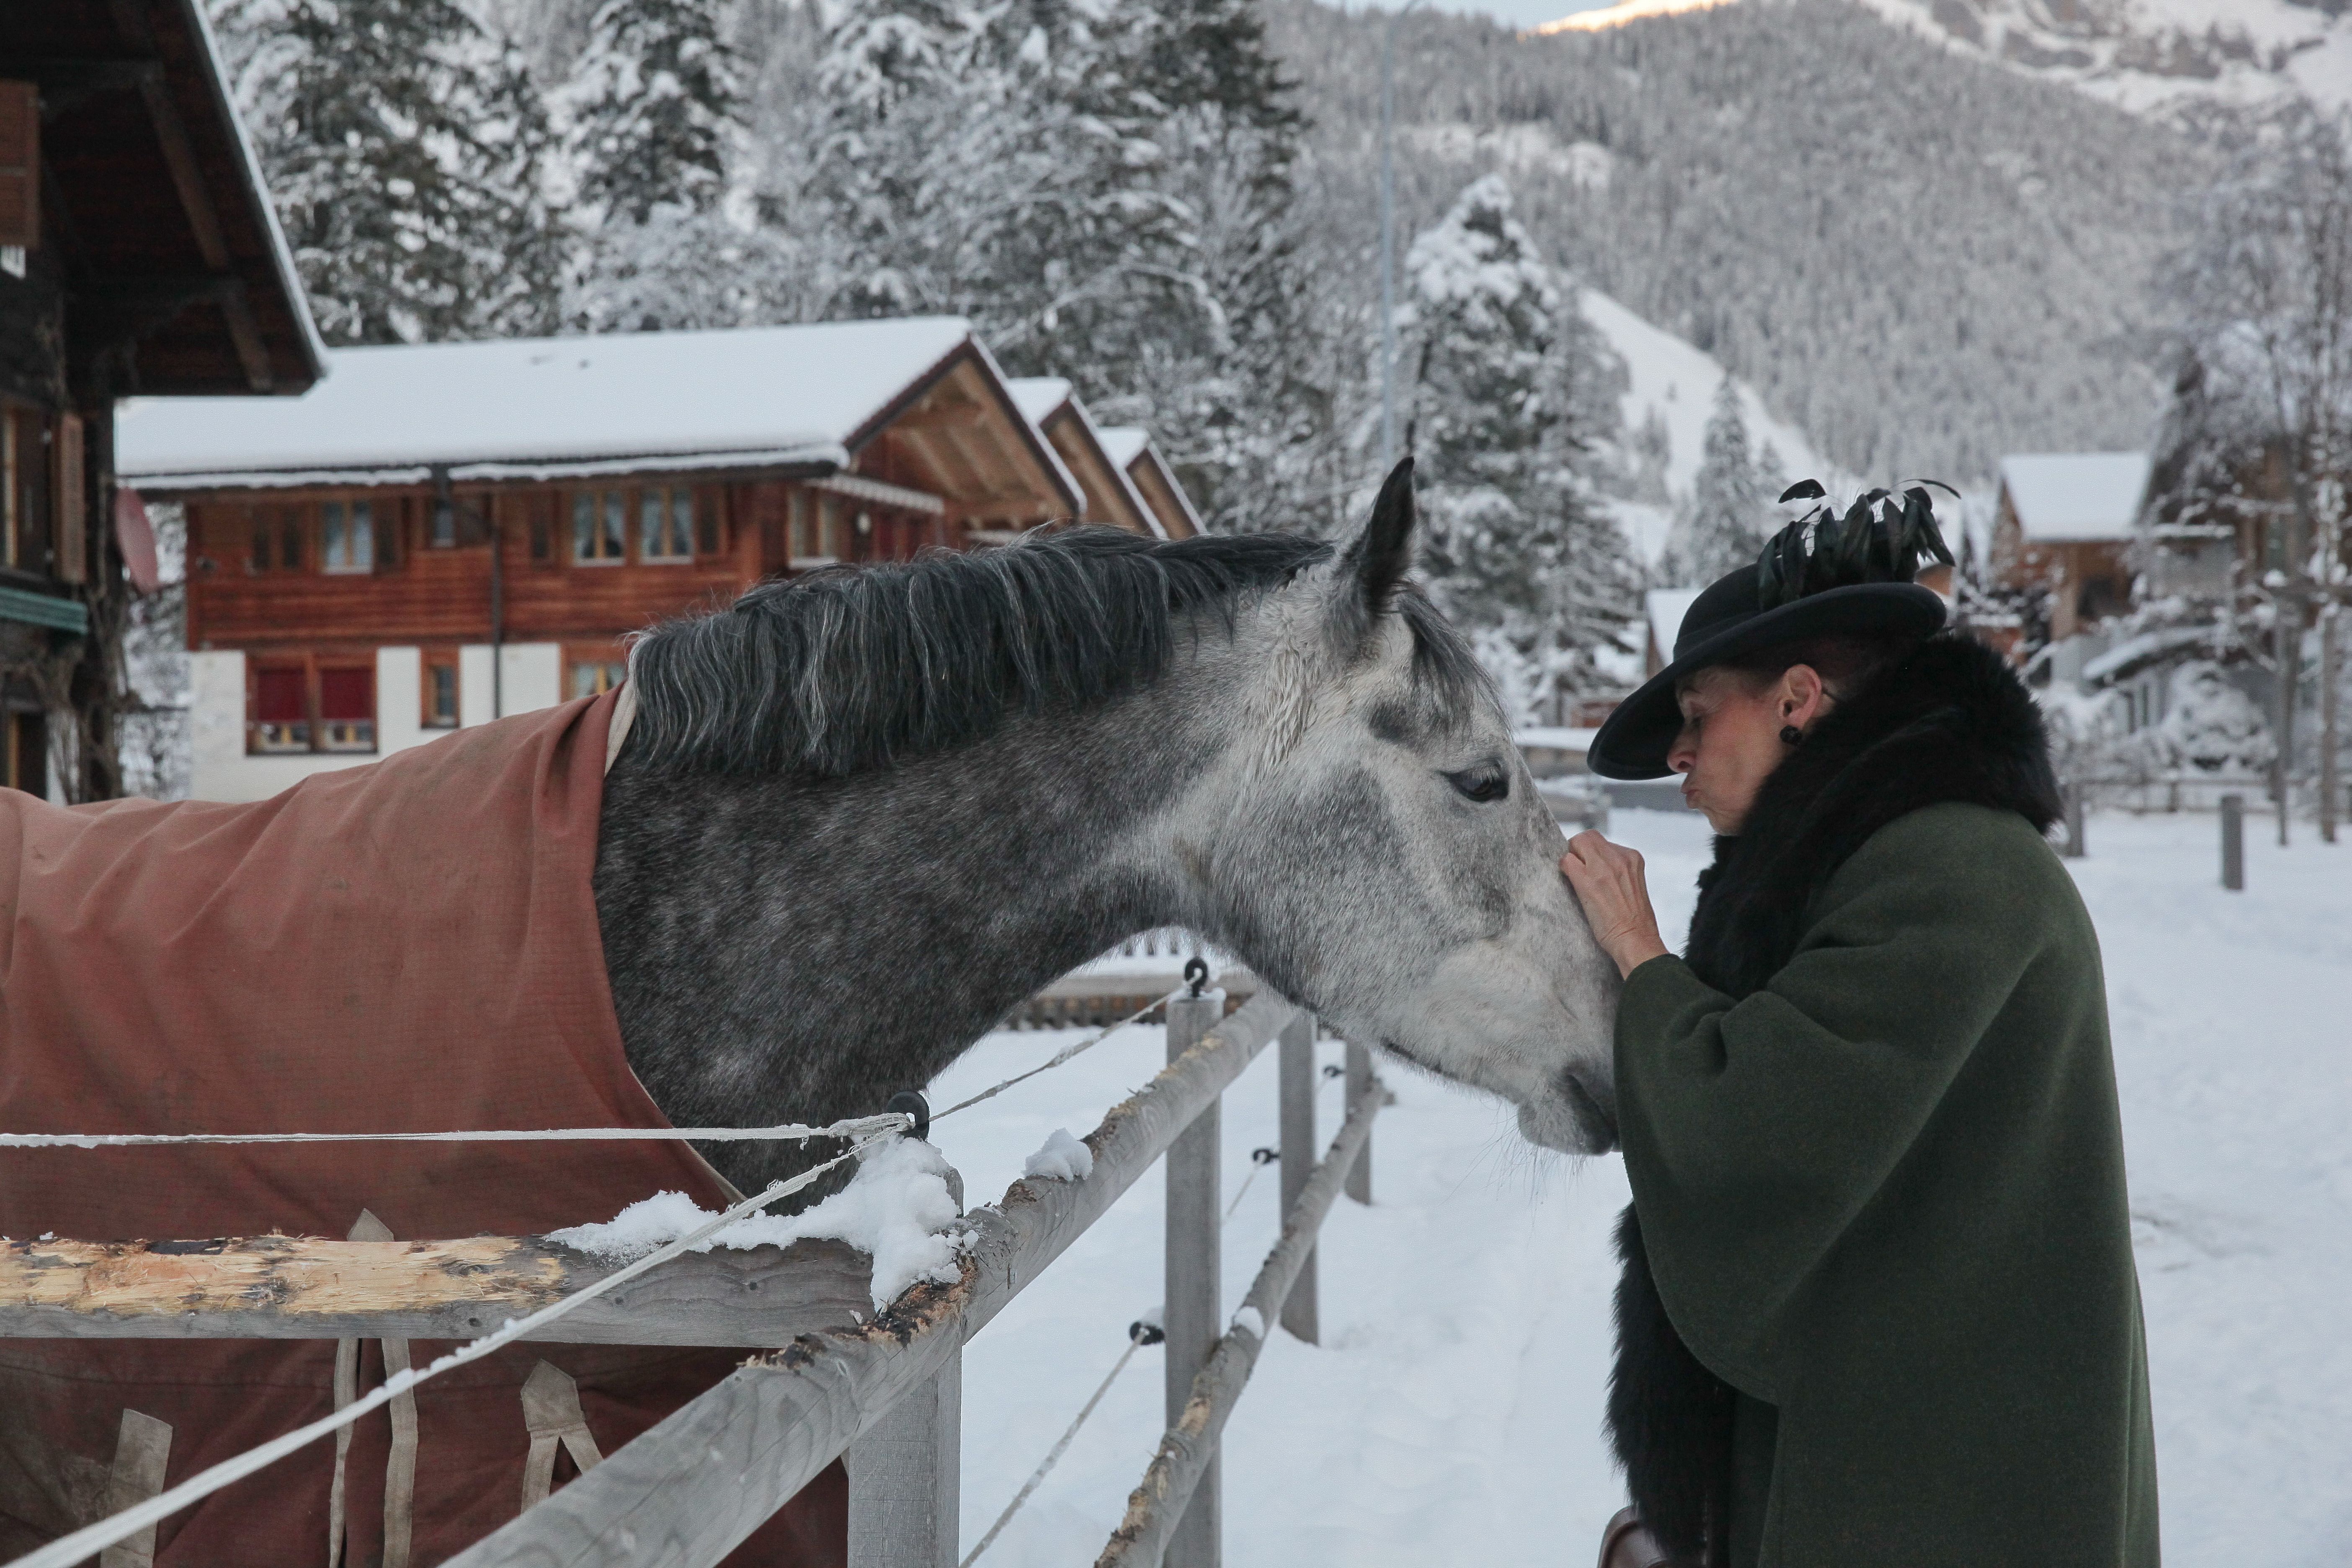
<point x="1756" y="1132"/>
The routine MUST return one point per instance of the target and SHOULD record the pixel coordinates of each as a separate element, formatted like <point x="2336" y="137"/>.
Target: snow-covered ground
<point x="1452" y="1413"/>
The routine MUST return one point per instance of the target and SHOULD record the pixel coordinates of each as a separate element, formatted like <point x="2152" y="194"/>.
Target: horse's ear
<point x="1375" y="565"/>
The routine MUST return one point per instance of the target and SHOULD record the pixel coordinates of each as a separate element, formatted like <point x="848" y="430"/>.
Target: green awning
<point x="45" y="610"/>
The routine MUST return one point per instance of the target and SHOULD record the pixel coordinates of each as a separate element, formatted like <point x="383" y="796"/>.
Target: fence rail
<point x="884" y="1389"/>
<point x="300" y="1287"/>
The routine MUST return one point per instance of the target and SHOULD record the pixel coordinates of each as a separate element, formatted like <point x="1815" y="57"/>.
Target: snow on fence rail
<point x="884" y="1389"/>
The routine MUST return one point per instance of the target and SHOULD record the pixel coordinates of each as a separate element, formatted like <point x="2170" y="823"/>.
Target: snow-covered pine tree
<point x="652" y="111"/>
<point x="1519" y="549"/>
<point x="991" y="163"/>
<point x="1720" y="526"/>
<point x="654" y="114"/>
<point x="1214" y="360"/>
<point x="405" y="148"/>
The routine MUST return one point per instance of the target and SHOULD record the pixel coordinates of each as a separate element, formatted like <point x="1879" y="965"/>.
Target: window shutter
<point x="280" y="696"/>
<point x="20" y="165"/>
<point x="72" y="514"/>
<point x="347" y="694"/>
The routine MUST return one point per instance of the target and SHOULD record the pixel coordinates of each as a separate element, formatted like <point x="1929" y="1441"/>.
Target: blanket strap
<point x="551" y="1410"/>
<point x="400" y="1469"/>
<point x="142" y="1447"/>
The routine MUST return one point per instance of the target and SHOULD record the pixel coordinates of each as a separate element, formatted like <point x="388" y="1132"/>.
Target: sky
<point x="1517" y="12"/>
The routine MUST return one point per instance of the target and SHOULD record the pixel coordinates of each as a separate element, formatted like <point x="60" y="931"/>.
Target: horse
<point x="856" y="817"/>
<point x="863" y="813"/>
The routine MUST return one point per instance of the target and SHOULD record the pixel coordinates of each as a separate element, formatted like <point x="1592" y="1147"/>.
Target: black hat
<point x="1817" y="577"/>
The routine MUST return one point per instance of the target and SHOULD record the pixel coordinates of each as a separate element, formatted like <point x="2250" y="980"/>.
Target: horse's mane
<point x="846" y="668"/>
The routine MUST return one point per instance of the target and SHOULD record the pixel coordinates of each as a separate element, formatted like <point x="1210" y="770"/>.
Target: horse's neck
<point x="789" y="951"/>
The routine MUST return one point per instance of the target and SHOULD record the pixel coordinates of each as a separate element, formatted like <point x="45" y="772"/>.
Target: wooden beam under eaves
<point x="195" y="201"/>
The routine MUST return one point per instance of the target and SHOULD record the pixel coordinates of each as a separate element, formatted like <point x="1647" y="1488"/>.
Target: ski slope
<point x="1676" y="380"/>
<point x="1452" y="1414"/>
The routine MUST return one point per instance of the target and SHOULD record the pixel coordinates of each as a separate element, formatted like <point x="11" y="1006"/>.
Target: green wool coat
<point x="1882" y="1198"/>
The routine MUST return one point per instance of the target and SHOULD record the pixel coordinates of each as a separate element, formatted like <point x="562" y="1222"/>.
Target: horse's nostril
<point x="1598" y="1127"/>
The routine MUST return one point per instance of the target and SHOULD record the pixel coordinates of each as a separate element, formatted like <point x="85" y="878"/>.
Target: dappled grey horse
<point x="862" y="813"/>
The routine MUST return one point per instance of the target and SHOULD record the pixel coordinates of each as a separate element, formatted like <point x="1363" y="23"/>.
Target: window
<point x="24" y="455"/>
<point x="346" y="536"/>
<point x="594" y="677"/>
<point x="440" y="693"/>
<point x="666" y="524"/>
<point x="296" y="705"/>
<point x="347" y="709"/>
<point x="282" y="708"/>
<point x="596" y="524"/>
<point x="277" y="539"/>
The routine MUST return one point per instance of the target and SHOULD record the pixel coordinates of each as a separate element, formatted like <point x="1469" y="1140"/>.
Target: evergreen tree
<point x="1214" y="361"/>
<point x="405" y="149"/>
<point x="1518" y="549"/>
<point x="654" y="114"/>
<point x="990" y="163"/>
<point x="1721" y="527"/>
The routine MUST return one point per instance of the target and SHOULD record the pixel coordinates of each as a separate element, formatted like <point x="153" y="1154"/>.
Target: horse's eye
<point x="1481" y="785"/>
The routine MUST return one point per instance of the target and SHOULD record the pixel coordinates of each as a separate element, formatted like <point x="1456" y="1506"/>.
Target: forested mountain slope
<point x="1922" y="260"/>
<point x="2160" y="56"/>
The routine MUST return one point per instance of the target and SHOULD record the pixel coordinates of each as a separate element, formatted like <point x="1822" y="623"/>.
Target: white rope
<point x="1136" y="1339"/>
<point x="87" y="1542"/>
<point x="792" y="1132"/>
<point x="1064" y="1054"/>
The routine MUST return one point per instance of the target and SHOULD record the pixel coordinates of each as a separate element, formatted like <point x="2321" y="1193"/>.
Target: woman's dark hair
<point x="1843" y="660"/>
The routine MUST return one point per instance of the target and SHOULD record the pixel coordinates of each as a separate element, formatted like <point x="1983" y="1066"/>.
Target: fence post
<point x="1191" y="1312"/>
<point x="1359" y="1082"/>
<point x="1297" y="1077"/>
<point x="2072" y="796"/>
<point x="2233" y="843"/>
<point x="905" y="1472"/>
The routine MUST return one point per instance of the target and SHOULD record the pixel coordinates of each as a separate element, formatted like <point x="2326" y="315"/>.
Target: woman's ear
<point x="1803" y="697"/>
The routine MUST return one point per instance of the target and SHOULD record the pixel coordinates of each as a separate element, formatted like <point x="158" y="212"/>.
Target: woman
<point x="1879" y="1306"/>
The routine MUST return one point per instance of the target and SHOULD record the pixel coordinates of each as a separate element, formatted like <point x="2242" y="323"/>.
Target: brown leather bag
<point x="1625" y="1545"/>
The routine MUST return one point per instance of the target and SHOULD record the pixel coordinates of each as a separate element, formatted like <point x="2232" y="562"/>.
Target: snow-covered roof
<point x="1038" y="395"/>
<point x="1125" y="443"/>
<point x="539" y="407"/>
<point x="2133" y="652"/>
<point x="1129" y="445"/>
<point x="1667" y="607"/>
<point x="2068" y="496"/>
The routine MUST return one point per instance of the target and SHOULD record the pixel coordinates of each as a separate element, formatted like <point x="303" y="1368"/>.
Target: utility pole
<point x="1388" y="239"/>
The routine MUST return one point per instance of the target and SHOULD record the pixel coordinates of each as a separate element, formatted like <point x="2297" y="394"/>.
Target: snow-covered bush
<point x="2211" y="726"/>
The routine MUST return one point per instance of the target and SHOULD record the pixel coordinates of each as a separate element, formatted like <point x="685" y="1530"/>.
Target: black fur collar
<point x="1950" y="722"/>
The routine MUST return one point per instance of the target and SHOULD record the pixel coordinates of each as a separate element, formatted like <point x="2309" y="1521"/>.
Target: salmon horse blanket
<point x="408" y="946"/>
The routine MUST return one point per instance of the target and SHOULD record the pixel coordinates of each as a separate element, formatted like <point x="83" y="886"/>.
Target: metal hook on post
<point x="910" y="1102"/>
<point x="1196" y="975"/>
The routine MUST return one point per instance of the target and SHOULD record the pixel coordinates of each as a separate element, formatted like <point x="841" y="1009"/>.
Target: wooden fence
<point x="884" y="1390"/>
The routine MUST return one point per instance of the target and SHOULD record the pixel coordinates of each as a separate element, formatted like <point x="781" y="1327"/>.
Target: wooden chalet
<point x="138" y="254"/>
<point x="1130" y="446"/>
<point x="1124" y="479"/>
<point x="2062" y="522"/>
<point x="441" y="534"/>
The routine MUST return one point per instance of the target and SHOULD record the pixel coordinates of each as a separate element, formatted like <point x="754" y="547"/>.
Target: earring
<point x="1790" y="734"/>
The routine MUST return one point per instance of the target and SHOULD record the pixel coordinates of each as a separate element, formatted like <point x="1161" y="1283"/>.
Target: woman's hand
<point x="1616" y="897"/>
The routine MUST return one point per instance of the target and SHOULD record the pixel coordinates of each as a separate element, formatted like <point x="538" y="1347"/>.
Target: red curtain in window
<point x="277" y="696"/>
<point x="346" y="694"/>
